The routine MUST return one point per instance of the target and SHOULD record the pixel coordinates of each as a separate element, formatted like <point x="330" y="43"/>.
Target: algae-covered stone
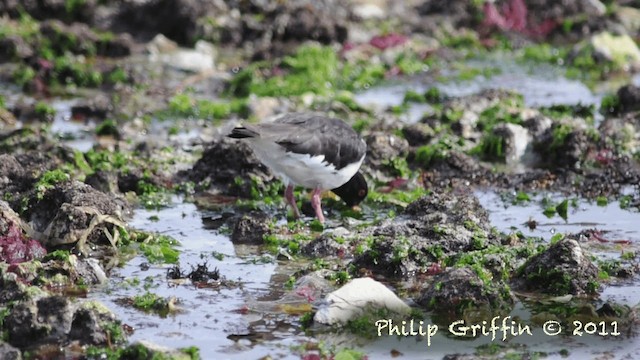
<point x="71" y="212"/>
<point x="251" y="228"/>
<point x="431" y="228"/>
<point x="223" y="162"/>
<point x="142" y="349"/>
<point x="621" y="50"/>
<point x="54" y="319"/>
<point x="95" y="324"/>
<point x="47" y="319"/>
<point x="459" y="289"/>
<point x="562" y="269"/>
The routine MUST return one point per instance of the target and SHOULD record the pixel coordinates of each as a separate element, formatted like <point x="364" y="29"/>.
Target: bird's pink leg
<point x="288" y="195"/>
<point x="315" y="203"/>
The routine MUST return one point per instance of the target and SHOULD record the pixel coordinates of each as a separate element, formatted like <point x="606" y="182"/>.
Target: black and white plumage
<point x="313" y="151"/>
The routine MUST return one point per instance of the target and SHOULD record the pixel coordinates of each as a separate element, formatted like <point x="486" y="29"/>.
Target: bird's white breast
<point x="302" y="169"/>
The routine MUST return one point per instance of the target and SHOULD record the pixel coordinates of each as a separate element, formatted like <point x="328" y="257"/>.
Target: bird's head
<point x="353" y="191"/>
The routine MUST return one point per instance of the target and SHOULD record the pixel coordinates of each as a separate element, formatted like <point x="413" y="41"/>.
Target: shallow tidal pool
<point x="244" y="321"/>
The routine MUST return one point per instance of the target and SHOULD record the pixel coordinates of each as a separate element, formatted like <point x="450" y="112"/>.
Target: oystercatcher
<point x="313" y="151"/>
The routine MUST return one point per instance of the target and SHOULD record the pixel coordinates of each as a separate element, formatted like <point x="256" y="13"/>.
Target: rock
<point x="623" y="131"/>
<point x="456" y="164"/>
<point x="430" y="228"/>
<point x="268" y="29"/>
<point x="324" y="21"/>
<point x="199" y="59"/>
<point x="325" y="245"/>
<point x="594" y="8"/>
<point x="562" y="269"/>
<point x="381" y="149"/>
<point x="90" y="322"/>
<point x="14" y="47"/>
<point x="460" y="12"/>
<point x="51" y="9"/>
<point x="175" y="19"/>
<point x="30" y="154"/>
<point x="8" y="352"/>
<point x="629" y="18"/>
<point x="77" y="38"/>
<point x="264" y="106"/>
<point x="131" y="180"/>
<point x="621" y="50"/>
<point x="563" y="146"/>
<point x="356" y="297"/>
<point x="105" y="181"/>
<point x="251" y="228"/>
<point x="45" y="320"/>
<point x="53" y="319"/>
<point x="226" y="160"/>
<point x="516" y="141"/>
<point x="367" y="9"/>
<point x="89" y="270"/>
<point x="537" y="125"/>
<point x="459" y="289"/>
<point x="629" y="97"/>
<point x="96" y="107"/>
<point x="418" y="134"/>
<point x="118" y="46"/>
<point x="11" y="287"/>
<point x="75" y="213"/>
<point x="142" y="349"/>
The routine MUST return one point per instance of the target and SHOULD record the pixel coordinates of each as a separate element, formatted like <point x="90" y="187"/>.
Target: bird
<point x="311" y="150"/>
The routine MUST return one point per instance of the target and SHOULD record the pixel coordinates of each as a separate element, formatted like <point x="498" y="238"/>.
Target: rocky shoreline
<point x="159" y="83"/>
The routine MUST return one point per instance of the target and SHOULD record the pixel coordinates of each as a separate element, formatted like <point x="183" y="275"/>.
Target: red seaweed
<point x="16" y="248"/>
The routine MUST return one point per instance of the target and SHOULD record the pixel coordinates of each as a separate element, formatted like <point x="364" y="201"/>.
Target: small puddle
<point x="540" y="85"/>
<point x="208" y="316"/>
<point x="76" y="134"/>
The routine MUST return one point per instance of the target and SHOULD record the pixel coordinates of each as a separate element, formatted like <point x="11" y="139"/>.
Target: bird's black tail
<point x="242" y="132"/>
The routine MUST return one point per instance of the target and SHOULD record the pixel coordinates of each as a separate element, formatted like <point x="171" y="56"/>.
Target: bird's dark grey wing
<point x="318" y="135"/>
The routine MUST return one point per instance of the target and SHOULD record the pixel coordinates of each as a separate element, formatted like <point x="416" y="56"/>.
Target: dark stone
<point x="324" y="245"/>
<point x="67" y="210"/>
<point x="131" y="180"/>
<point x="569" y="154"/>
<point x="432" y="227"/>
<point x="11" y="288"/>
<point x="176" y="19"/>
<point x="226" y="160"/>
<point x="458" y="289"/>
<point x="77" y="38"/>
<point x="382" y="147"/>
<point x="96" y="107"/>
<point x="105" y="181"/>
<point x="418" y="134"/>
<point x="88" y="325"/>
<point x="629" y="96"/>
<point x="13" y="47"/>
<point x="461" y="12"/>
<point x="251" y="228"/>
<point x="45" y="320"/>
<point x="50" y="9"/>
<point x="83" y="328"/>
<point x="119" y="46"/>
<point x="8" y="352"/>
<point x="564" y="268"/>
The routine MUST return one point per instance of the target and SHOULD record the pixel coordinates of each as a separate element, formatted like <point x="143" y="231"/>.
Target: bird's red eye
<point x="362" y="193"/>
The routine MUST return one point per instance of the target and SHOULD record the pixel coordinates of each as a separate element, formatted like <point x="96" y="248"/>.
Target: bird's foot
<point x="288" y="195"/>
<point x="315" y="203"/>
